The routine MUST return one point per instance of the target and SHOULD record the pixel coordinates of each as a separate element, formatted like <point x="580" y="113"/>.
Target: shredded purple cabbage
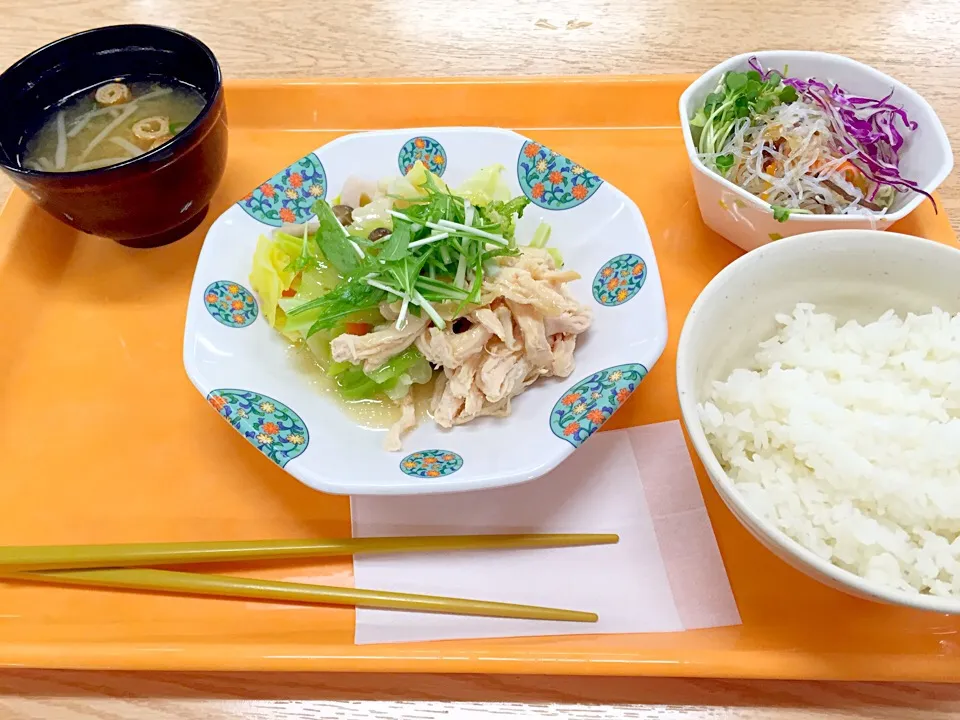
<point x="864" y="126"/>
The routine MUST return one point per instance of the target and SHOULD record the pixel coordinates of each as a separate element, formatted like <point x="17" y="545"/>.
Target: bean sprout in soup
<point x="110" y="124"/>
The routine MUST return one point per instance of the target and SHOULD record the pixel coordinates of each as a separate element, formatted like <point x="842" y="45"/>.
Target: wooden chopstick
<point x="75" y="557"/>
<point x="171" y="581"/>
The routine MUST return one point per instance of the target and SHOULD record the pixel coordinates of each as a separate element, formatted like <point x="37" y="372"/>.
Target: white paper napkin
<point x="665" y="574"/>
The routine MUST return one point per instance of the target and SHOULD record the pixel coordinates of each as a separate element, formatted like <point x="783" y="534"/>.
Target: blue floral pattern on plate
<point x="425" y="149"/>
<point x="288" y="196"/>
<point x="619" y="280"/>
<point x="230" y="303"/>
<point x="431" y="463"/>
<point x="270" y="426"/>
<point x="553" y="181"/>
<point x="586" y="406"/>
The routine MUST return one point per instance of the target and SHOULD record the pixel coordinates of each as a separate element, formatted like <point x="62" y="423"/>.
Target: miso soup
<point x="110" y="124"/>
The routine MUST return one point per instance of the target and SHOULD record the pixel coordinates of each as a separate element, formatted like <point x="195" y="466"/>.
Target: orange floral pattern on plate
<point x="425" y="149"/>
<point x="553" y="181"/>
<point x="619" y="280"/>
<point x="589" y="404"/>
<point x="230" y="303"/>
<point x="288" y="196"/>
<point x="431" y="463"/>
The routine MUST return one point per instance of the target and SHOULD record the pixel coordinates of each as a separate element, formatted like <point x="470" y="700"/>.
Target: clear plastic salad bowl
<point x="748" y="221"/>
<point x="251" y="375"/>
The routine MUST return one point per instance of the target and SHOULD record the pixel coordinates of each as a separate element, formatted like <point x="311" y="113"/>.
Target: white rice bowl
<point x="854" y="483"/>
<point x="847" y="439"/>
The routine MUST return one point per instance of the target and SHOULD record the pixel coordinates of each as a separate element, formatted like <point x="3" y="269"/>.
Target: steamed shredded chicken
<point x="527" y="329"/>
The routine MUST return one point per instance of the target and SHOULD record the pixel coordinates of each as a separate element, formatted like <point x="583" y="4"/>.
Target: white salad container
<point x="746" y="220"/>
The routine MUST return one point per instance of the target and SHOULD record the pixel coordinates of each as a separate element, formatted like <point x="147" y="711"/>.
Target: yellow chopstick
<point x="74" y="557"/>
<point x="170" y="581"/>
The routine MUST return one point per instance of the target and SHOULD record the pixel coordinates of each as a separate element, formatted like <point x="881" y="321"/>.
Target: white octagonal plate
<point x="244" y="367"/>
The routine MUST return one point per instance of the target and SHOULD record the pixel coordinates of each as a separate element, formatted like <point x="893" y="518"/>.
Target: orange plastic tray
<point x="103" y="439"/>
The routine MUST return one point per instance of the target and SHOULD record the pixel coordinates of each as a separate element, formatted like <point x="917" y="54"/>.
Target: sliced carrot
<point x="358" y="328"/>
<point x="290" y="292"/>
<point x="853" y="175"/>
<point x="847" y="168"/>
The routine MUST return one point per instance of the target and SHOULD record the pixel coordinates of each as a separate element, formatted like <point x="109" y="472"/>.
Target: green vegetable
<point x="333" y="241"/>
<point x="269" y="277"/>
<point x="735" y="81"/>
<point x="724" y="162"/>
<point x="485" y="186"/>
<point x="396" y="366"/>
<point x="408" y="367"/>
<point x="788" y="94"/>
<point x="177" y="127"/>
<point x="540" y="239"/>
<point x="780" y="213"/>
<point x="306" y="258"/>
<point x="435" y="254"/>
<point x="290" y="244"/>
<point x="541" y="236"/>
<point x="353" y="384"/>
<point x="739" y="95"/>
<point x="395" y="247"/>
<point x="353" y="294"/>
<point x="503" y="215"/>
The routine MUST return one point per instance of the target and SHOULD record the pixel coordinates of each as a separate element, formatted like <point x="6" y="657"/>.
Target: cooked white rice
<point x="848" y="440"/>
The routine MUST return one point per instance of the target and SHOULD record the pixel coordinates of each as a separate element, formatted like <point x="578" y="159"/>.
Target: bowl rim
<point x="724" y="486"/>
<point x="172" y="144"/>
<point x="888" y="218"/>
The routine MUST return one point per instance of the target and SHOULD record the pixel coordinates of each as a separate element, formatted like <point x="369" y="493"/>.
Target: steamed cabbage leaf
<point x="270" y="277"/>
<point x="333" y="241"/>
<point x="373" y="215"/>
<point x="485" y="186"/>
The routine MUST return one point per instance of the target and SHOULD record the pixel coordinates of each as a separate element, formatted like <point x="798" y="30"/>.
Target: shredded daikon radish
<point x="154" y="93"/>
<point x="787" y="156"/>
<point x="128" y="110"/>
<point x="97" y="164"/>
<point x="60" y="158"/>
<point x="126" y="145"/>
<point x="81" y="122"/>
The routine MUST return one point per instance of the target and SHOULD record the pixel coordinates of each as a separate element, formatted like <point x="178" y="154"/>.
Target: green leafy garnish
<point x="735" y="80"/>
<point x="780" y="213"/>
<point x="306" y="259"/>
<point x="395" y="247"/>
<point x="177" y="127"/>
<point x="739" y="95"/>
<point x="788" y="94"/>
<point x="724" y="162"/>
<point x="436" y="253"/>
<point x="351" y="295"/>
<point x="501" y="214"/>
<point x="333" y="241"/>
